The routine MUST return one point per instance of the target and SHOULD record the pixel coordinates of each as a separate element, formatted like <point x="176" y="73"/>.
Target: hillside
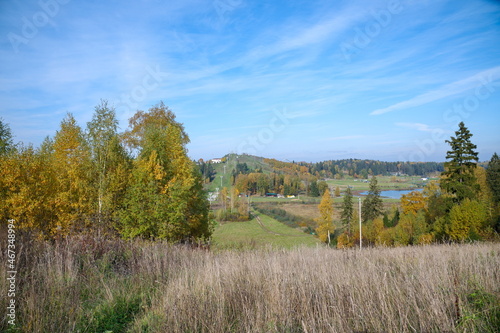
<point x="260" y="231"/>
<point x="342" y="173"/>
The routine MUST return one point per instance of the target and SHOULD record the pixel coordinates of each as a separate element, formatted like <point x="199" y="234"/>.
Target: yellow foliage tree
<point x="166" y="198"/>
<point x="413" y="202"/>
<point x="411" y="229"/>
<point x="72" y="165"/>
<point x="373" y="231"/>
<point x="28" y="187"/>
<point x="468" y="221"/>
<point x="325" y="220"/>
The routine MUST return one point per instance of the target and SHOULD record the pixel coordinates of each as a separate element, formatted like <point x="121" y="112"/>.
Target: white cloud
<point x="416" y="126"/>
<point x="454" y="88"/>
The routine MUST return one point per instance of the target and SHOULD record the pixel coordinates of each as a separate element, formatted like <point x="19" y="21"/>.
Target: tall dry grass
<point x="86" y="284"/>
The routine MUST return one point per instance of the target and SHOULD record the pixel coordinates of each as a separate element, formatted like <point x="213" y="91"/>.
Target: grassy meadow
<point x="98" y="284"/>
<point x="384" y="182"/>
<point x="251" y="234"/>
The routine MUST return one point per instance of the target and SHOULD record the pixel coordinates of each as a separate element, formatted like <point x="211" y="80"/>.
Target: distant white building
<point x="424" y="179"/>
<point x="216" y="160"/>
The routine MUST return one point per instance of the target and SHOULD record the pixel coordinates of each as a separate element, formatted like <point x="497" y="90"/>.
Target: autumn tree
<point x="110" y="164"/>
<point x="458" y="179"/>
<point x="337" y="191"/>
<point x="372" y="205"/>
<point x="159" y="116"/>
<point x="72" y="165"/>
<point x="413" y="202"/>
<point x="5" y="149"/>
<point x="372" y="232"/>
<point x="144" y="207"/>
<point x="467" y="221"/>
<point x="166" y="183"/>
<point x="325" y="220"/>
<point x="412" y="229"/>
<point x="28" y="190"/>
<point x="322" y="186"/>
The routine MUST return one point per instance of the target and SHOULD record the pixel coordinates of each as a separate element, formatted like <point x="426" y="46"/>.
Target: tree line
<point x="136" y="183"/>
<point x="364" y="168"/>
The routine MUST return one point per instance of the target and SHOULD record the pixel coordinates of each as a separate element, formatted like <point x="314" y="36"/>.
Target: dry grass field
<point x="90" y="284"/>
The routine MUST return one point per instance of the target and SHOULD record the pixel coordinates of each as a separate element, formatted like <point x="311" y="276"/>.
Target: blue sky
<point x="294" y="80"/>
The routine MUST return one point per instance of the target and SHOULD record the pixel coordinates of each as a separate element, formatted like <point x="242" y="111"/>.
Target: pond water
<point x="393" y="194"/>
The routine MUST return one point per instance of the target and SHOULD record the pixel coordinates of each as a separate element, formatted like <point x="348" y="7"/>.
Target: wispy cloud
<point x="224" y="81"/>
<point x="455" y="88"/>
<point x="345" y="137"/>
<point x="416" y="126"/>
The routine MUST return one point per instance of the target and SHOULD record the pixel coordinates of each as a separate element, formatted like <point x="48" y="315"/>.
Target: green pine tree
<point x="6" y="143"/>
<point x="347" y="210"/>
<point x="372" y="205"/>
<point x="458" y="179"/>
<point x="493" y="177"/>
<point x="314" y="190"/>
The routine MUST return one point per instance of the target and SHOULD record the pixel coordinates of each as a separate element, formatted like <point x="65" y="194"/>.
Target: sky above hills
<point x="294" y="80"/>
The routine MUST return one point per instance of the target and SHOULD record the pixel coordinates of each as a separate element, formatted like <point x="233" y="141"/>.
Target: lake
<point x="393" y="194"/>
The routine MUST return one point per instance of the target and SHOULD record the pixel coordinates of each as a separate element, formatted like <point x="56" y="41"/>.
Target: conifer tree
<point x="314" y="190"/>
<point x="347" y="210"/>
<point x="6" y="143"/>
<point x="493" y="177"/>
<point x="372" y="205"/>
<point x="458" y="179"/>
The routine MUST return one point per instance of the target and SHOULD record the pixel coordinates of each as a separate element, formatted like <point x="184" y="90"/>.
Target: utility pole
<point x="221" y="181"/>
<point x="360" y="235"/>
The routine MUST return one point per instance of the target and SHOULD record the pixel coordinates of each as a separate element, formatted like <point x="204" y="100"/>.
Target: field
<point x="251" y="234"/>
<point x="92" y="284"/>
<point x="384" y="182"/>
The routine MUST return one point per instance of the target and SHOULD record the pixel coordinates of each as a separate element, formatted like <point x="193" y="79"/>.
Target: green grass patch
<point x="300" y="199"/>
<point x="250" y="234"/>
<point x="384" y="182"/>
<point x="112" y="316"/>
